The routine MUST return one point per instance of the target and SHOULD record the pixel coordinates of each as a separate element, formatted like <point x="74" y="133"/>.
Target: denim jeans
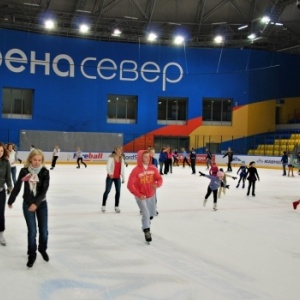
<point x="13" y="171"/>
<point x="41" y="215"/>
<point x="284" y="168"/>
<point x="109" y="182"/>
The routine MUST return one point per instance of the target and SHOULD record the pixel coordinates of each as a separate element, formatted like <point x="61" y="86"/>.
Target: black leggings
<point x="215" y="194"/>
<point x="79" y="159"/>
<point x="251" y="184"/>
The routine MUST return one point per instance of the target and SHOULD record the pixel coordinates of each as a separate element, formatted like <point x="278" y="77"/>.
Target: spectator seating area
<point x="279" y="145"/>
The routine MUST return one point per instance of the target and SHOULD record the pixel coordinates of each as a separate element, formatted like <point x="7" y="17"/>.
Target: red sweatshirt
<point x="141" y="181"/>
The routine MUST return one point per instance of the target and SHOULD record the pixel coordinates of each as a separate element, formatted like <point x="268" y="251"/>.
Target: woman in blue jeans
<point x="36" y="183"/>
<point x="115" y="172"/>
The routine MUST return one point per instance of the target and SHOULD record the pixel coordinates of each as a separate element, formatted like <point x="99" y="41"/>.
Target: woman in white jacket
<point x="115" y="174"/>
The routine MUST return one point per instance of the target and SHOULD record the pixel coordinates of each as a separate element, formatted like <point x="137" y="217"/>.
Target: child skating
<point x="290" y="166"/>
<point x="215" y="183"/>
<point x="243" y="174"/>
<point x="143" y="181"/>
<point x="224" y="185"/>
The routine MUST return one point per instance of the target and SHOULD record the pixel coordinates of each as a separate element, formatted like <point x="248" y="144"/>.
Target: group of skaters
<point x="143" y="181"/>
<point x="169" y="158"/>
<point x="218" y="180"/>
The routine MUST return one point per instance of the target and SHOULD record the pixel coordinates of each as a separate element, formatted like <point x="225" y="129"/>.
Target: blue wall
<point x="78" y="103"/>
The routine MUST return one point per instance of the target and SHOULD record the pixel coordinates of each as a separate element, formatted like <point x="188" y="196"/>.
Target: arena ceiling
<point x="199" y="21"/>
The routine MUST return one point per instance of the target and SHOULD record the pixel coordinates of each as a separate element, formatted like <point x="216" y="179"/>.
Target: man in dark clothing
<point x="193" y="157"/>
<point x="229" y="153"/>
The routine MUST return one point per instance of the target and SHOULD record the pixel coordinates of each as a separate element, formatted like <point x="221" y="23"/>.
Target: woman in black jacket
<point x="35" y="209"/>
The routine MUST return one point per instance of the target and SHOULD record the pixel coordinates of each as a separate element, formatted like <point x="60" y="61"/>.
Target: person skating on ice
<point x="55" y="155"/>
<point x="79" y="158"/>
<point x="184" y="157"/>
<point x="214" y="184"/>
<point x="252" y="177"/>
<point x="143" y="181"/>
<point x="193" y="158"/>
<point x="242" y="171"/>
<point x="162" y="160"/>
<point x="115" y="168"/>
<point x="290" y="165"/>
<point x="35" y="209"/>
<point x="229" y="154"/>
<point x="224" y="184"/>
<point x="208" y="159"/>
<point x="213" y="169"/>
<point x="284" y="161"/>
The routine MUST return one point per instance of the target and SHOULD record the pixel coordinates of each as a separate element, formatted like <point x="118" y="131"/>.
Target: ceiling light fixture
<point x="179" y="40"/>
<point x="252" y="36"/>
<point x="129" y="17"/>
<point x="265" y="19"/>
<point x="117" y="32"/>
<point x="49" y="24"/>
<point x="84" y="11"/>
<point x="84" y="28"/>
<point x="31" y="4"/>
<point x="152" y="37"/>
<point x="242" y="27"/>
<point x="219" y="39"/>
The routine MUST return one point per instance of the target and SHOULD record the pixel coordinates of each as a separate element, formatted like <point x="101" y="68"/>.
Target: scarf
<point x="32" y="178"/>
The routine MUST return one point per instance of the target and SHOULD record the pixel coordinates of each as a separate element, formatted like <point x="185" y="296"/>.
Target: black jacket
<point x="41" y="190"/>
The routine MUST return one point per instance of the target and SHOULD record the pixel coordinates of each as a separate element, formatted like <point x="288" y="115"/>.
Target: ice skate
<point x="215" y="206"/>
<point x="103" y="209"/>
<point x="31" y="260"/>
<point x="204" y="202"/>
<point x="2" y="240"/>
<point x="117" y="210"/>
<point x="148" y="237"/>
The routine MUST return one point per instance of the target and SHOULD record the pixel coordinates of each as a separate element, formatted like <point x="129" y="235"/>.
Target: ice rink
<point x="248" y="249"/>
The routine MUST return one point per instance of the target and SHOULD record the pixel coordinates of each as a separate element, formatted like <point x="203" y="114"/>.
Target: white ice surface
<point x="248" y="249"/>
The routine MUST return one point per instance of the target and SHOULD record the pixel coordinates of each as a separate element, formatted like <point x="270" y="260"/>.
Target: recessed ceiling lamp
<point x="84" y="28"/>
<point x="179" y="40"/>
<point x="117" y="32"/>
<point x="152" y="37"/>
<point x="218" y="39"/>
<point x="265" y="19"/>
<point x="49" y="24"/>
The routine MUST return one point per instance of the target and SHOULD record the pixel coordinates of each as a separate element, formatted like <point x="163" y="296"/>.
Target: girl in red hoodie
<point x="143" y="181"/>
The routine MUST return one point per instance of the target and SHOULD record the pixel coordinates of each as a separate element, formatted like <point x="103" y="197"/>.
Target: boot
<point x="295" y="204"/>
